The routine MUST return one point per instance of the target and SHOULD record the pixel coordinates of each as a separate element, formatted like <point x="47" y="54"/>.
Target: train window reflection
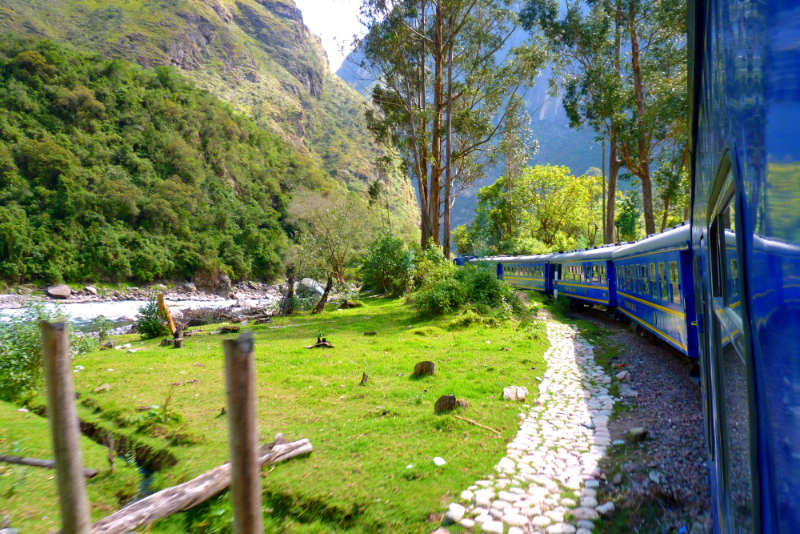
<point x="732" y="363"/>
<point x="674" y="283"/>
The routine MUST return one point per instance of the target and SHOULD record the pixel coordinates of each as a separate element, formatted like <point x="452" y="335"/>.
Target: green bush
<point x="20" y="351"/>
<point x="468" y="318"/>
<point x="151" y="322"/>
<point x="388" y="266"/>
<point x="430" y="266"/>
<point x="443" y="296"/>
<point x="468" y="285"/>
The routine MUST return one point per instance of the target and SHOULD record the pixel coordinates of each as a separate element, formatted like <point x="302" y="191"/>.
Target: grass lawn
<point x="28" y="495"/>
<point x="365" y="438"/>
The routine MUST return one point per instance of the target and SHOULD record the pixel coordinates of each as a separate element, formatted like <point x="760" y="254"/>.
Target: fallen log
<point x="36" y="462"/>
<point x="196" y="491"/>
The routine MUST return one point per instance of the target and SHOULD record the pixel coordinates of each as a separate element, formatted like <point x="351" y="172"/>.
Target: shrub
<point x="101" y="325"/>
<point x="483" y="287"/>
<point x="443" y="296"/>
<point x="468" y="318"/>
<point x="388" y="266"/>
<point x="151" y="322"/>
<point x="430" y="266"/>
<point x="480" y="288"/>
<point x="20" y="351"/>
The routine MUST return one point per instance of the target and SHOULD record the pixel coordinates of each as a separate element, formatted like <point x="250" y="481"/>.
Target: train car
<point x="744" y="93"/>
<point x="586" y="275"/>
<point x="528" y="272"/>
<point x="489" y="262"/>
<point x="655" y="288"/>
<point x="463" y="260"/>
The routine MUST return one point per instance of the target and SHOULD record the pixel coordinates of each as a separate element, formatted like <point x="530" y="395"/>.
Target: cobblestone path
<point x="546" y="482"/>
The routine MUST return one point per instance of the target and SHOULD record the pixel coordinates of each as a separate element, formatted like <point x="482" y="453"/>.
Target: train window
<point x="674" y="284"/>
<point x="645" y="282"/>
<point x="640" y="282"/>
<point x="653" y="281"/>
<point x="731" y="359"/>
<point x="662" y="280"/>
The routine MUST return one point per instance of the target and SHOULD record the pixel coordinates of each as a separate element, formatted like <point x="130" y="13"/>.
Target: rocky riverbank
<point x="82" y="305"/>
<point x="186" y="291"/>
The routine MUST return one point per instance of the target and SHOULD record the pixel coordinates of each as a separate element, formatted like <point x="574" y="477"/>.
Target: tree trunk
<point x="435" y="189"/>
<point x="611" y="201"/>
<point x="613" y="161"/>
<point x="449" y="147"/>
<point x="288" y="307"/>
<point x="425" y="230"/>
<point x="643" y="171"/>
<point x="189" y="494"/>
<point x="36" y="462"/>
<point x="666" y="212"/>
<point x="322" y="301"/>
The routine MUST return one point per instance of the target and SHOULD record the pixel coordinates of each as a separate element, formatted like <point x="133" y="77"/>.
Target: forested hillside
<point x="256" y="54"/>
<point x="115" y="172"/>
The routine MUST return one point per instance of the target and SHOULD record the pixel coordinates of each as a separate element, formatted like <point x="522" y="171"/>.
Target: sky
<point x="335" y="22"/>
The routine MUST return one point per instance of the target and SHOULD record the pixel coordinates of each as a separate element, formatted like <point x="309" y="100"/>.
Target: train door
<point x="731" y="365"/>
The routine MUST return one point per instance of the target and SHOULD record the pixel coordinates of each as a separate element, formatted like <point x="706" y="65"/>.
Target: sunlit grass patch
<point x="364" y="437"/>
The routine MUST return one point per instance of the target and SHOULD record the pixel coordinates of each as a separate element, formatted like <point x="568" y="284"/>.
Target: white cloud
<point x="336" y="22"/>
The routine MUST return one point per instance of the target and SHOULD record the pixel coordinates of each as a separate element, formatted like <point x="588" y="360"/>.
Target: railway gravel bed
<point x="659" y="484"/>
<point x="548" y="480"/>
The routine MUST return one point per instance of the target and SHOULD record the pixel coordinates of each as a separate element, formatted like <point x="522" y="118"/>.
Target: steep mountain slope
<point x="113" y="172"/>
<point x="256" y="54"/>
<point x="558" y="143"/>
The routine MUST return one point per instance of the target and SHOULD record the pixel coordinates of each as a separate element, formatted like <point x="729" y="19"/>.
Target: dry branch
<point x="36" y="462"/>
<point x="196" y="491"/>
<point x="470" y="421"/>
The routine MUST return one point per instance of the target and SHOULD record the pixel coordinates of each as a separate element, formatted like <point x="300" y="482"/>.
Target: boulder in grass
<point x="423" y="369"/>
<point x="61" y="291"/>
<point x="515" y="393"/>
<point x="446" y="403"/>
<point x="90" y="290"/>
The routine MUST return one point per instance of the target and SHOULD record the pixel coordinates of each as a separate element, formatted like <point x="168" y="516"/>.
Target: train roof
<point x="676" y="237"/>
<point x="514" y="259"/>
<point x="598" y="253"/>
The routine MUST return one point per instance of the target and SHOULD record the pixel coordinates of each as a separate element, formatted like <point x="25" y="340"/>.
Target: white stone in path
<point x="561" y="528"/>
<point x="561" y="440"/>
<point x="495" y="527"/>
<point x="455" y="512"/>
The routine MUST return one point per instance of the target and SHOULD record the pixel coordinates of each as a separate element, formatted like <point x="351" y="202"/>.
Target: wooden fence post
<point x="64" y="429"/>
<point x="240" y="383"/>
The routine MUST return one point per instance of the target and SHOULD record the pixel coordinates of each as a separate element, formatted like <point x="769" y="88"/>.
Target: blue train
<point x="723" y="289"/>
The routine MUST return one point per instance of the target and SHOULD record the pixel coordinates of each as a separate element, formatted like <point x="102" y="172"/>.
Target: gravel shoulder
<point x="659" y="484"/>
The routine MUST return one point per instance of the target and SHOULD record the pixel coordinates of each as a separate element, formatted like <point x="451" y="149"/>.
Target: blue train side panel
<point x="653" y="281"/>
<point x="745" y="100"/>
<point x="526" y="272"/>
<point x="586" y="275"/>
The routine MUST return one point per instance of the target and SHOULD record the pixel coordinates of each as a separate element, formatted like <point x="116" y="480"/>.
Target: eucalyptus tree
<point x="585" y="45"/>
<point x="654" y="89"/>
<point x="622" y="65"/>
<point x="442" y="93"/>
